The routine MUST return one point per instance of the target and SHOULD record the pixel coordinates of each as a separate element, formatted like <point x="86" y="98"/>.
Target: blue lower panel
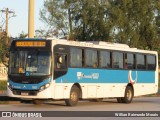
<point x="106" y="76"/>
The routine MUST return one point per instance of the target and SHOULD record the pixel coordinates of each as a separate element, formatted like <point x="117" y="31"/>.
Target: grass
<point x="4" y="102"/>
<point x="3" y="85"/>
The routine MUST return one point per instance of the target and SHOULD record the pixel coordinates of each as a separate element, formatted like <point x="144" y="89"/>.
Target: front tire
<point x="128" y="95"/>
<point x="74" y="97"/>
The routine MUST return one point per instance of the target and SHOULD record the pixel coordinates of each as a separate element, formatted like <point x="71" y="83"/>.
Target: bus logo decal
<point x="27" y="73"/>
<point x="81" y="75"/>
<point x="131" y="80"/>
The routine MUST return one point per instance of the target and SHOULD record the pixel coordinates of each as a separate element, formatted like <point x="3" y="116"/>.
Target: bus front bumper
<point x="44" y="94"/>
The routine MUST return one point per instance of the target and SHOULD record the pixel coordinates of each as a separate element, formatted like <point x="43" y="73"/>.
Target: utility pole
<point x="31" y="19"/>
<point x="7" y="12"/>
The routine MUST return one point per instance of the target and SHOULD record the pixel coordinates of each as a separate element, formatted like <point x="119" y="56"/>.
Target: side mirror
<point x="60" y="59"/>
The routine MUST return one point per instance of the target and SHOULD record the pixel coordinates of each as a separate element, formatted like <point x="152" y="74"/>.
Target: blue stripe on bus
<point x="81" y="75"/>
<point x="20" y="86"/>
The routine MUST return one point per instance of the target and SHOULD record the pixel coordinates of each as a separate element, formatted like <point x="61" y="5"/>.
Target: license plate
<point x="24" y="93"/>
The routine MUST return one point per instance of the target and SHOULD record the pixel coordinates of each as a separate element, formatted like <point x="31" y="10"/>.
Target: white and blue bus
<point x="41" y="69"/>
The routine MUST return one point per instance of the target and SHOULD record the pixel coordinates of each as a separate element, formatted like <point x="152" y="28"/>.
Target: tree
<point x="22" y="35"/>
<point x="91" y="20"/>
<point x="80" y="19"/>
<point x="57" y="15"/>
<point x="40" y="33"/>
<point x="4" y="49"/>
<point x="131" y="22"/>
<point x="134" y="22"/>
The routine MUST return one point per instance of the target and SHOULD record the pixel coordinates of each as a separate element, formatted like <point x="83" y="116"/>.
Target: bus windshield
<point x="30" y="63"/>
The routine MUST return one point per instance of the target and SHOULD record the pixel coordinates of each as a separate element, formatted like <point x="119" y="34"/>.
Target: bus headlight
<point x="8" y="83"/>
<point x="9" y="86"/>
<point x="44" y="86"/>
<point x="47" y="85"/>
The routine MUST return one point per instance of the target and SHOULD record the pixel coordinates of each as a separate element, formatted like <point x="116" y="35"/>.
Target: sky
<point x="20" y="22"/>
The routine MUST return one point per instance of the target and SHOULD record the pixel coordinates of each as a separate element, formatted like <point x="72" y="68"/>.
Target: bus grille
<point x="29" y="93"/>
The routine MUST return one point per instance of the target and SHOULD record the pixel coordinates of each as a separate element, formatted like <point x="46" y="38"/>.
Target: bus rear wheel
<point x="74" y="97"/>
<point x="128" y="95"/>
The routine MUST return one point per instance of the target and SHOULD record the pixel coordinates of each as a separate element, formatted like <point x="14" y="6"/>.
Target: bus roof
<point x="93" y="44"/>
<point x="101" y="45"/>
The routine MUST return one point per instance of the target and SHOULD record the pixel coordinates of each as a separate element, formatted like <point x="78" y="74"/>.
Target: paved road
<point x="138" y="104"/>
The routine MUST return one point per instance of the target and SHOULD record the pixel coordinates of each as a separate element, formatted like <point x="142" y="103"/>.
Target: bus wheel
<point x="37" y="102"/>
<point x="128" y="95"/>
<point x="74" y="97"/>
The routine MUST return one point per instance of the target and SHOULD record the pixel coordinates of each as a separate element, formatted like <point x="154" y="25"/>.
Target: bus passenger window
<point x="117" y="59"/>
<point x="151" y="62"/>
<point x="130" y="61"/>
<point x="95" y="65"/>
<point x="140" y="59"/>
<point x="75" y="57"/>
<point x="105" y="59"/>
<point x="91" y="58"/>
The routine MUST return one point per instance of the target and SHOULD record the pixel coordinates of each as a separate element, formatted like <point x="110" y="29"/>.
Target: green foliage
<point x="91" y="21"/>
<point x="132" y="22"/>
<point x="46" y="33"/>
<point x="3" y="85"/>
<point x="54" y="14"/>
<point x="22" y="35"/>
<point x="4" y="49"/>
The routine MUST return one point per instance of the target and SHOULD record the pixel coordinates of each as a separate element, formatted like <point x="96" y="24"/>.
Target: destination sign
<point x="30" y="44"/>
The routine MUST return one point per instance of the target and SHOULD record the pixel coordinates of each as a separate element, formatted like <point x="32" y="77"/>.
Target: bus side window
<point x="117" y="58"/>
<point x="130" y="61"/>
<point x="140" y="60"/>
<point x="151" y="62"/>
<point x="104" y="59"/>
<point x="91" y="58"/>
